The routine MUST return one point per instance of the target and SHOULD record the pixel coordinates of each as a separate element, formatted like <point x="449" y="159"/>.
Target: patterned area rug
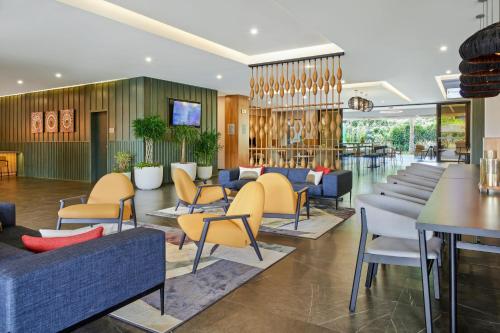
<point x="323" y="217"/>
<point x="187" y="294"/>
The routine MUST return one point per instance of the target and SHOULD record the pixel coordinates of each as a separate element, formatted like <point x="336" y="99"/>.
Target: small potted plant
<point x="184" y="135"/>
<point x="148" y="175"/>
<point x="123" y="160"/>
<point x="205" y="149"/>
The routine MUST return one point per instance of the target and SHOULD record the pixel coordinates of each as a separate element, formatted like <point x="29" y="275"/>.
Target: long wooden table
<point x="457" y="207"/>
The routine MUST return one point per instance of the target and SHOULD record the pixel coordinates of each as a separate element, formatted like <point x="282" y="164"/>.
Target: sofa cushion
<point x="297" y="175"/>
<point x="237" y="184"/>
<point x="283" y="171"/>
<point x="312" y="190"/>
<point x="8" y="253"/>
<point x="40" y="244"/>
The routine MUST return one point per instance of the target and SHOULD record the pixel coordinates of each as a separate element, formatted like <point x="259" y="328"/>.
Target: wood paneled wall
<point x="236" y="144"/>
<point x="67" y="155"/>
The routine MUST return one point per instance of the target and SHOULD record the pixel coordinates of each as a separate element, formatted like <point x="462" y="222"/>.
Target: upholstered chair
<point x="238" y="228"/>
<point x="110" y="201"/>
<point x="397" y="242"/>
<point x="420" y="151"/>
<point x="281" y="199"/>
<point x="403" y="192"/>
<point x="193" y="196"/>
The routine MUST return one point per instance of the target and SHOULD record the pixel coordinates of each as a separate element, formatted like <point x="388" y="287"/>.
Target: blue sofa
<point x="65" y="288"/>
<point x="333" y="185"/>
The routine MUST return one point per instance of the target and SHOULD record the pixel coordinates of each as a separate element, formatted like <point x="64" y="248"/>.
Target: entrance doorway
<point x="453" y="131"/>
<point x="99" y="145"/>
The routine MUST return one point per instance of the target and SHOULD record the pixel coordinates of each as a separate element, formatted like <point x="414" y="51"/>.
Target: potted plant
<point x="184" y="135"/>
<point x="122" y="160"/>
<point x="148" y="175"/>
<point x="205" y="149"/>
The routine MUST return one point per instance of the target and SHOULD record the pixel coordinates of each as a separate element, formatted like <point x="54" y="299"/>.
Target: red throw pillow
<point x="40" y="244"/>
<point x="322" y="168"/>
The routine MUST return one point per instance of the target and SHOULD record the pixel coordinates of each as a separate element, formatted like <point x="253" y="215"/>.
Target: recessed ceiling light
<point x="148" y="59"/>
<point x="443" y="48"/>
<point x="448" y="71"/>
<point x="20" y="82"/>
<point x="219" y="76"/>
<point x="58" y="75"/>
<point x="342" y="81"/>
<point x="254" y="31"/>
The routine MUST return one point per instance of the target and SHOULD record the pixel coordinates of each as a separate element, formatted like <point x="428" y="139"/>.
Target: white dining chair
<point x="402" y="180"/>
<point x="403" y="192"/>
<point x="393" y="221"/>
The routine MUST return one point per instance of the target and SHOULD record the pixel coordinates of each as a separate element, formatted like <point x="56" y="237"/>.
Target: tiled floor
<point x="309" y="290"/>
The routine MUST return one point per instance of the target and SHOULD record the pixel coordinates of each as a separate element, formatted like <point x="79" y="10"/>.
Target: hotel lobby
<point x="265" y="166"/>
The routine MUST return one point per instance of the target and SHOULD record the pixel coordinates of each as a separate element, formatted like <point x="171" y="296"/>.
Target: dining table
<point x="457" y="208"/>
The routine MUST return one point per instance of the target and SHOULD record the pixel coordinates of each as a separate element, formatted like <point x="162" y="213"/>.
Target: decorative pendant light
<point x="483" y="47"/>
<point x="359" y="103"/>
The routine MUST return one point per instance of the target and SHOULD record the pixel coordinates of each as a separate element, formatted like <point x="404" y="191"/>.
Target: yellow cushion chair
<point x="193" y="196"/>
<point x="238" y="228"/>
<point x="281" y="199"/>
<point x="110" y="201"/>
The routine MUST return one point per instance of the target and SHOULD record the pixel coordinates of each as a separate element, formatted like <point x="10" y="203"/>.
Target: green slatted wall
<point x="67" y="155"/>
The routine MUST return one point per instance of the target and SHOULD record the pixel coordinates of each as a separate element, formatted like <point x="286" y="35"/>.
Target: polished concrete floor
<point x="309" y="290"/>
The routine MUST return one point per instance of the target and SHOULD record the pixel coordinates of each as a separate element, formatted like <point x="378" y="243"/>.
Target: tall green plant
<point x="206" y="147"/>
<point x="151" y="129"/>
<point x="184" y="135"/>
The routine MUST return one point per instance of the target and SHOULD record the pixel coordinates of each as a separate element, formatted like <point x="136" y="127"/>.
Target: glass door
<point x="453" y="131"/>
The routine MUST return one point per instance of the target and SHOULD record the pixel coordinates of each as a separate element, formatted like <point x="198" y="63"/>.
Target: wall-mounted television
<point x="184" y="113"/>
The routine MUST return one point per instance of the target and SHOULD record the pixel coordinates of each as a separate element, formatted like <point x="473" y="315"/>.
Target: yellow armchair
<point x="281" y="199"/>
<point x="238" y="228"/>
<point x="110" y="201"/>
<point x="193" y="196"/>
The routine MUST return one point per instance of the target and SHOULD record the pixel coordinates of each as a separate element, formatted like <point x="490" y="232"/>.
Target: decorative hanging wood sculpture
<point x="296" y="112"/>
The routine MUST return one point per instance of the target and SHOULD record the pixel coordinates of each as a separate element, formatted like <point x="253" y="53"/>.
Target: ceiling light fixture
<point x="219" y="76"/>
<point x="448" y="71"/>
<point x="148" y="59"/>
<point x="58" y="75"/>
<point x="254" y="31"/>
<point x="443" y="48"/>
<point x="20" y="82"/>
<point x="342" y="81"/>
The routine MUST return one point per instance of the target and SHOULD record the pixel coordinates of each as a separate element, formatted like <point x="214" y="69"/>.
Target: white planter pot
<point x="128" y="175"/>
<point x="204" y="172"/>
<point x="148" y="178"/>
<point x="189" y="167"/>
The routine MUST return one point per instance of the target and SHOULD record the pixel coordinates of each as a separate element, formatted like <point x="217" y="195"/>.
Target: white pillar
<point x="412" y="135"/>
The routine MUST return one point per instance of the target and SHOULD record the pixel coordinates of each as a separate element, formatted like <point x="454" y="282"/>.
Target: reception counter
<point x="11" y="158"/>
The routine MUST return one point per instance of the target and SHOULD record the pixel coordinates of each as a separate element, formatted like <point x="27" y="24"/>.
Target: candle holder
<point x="489" y="176"/>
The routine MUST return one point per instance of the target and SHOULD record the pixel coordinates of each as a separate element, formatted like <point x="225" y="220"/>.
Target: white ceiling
<point x="402" y="112"/>
<point x="385" y="40"/>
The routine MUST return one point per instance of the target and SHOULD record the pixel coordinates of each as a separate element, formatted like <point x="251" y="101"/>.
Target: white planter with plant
<point x="123" y="160"/>
<point x="205" y="149"/>
<point x="184" y="135"/>
<point x="148" y="175"/>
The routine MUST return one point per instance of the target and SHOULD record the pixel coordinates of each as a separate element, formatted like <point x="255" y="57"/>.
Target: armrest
<point x="127" y="198"/>
<point x="228" y="175"/>
<point x="304" y="189"/>
<point x="337" y="183"/>
<point x="226" y="217"/>
<point x="210" y="185"/>
<point x="59" y="288"/>
<point x="82" y="198"/>
<point x="7" y="214"/>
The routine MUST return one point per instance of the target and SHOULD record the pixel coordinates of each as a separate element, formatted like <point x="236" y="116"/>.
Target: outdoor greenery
<point x="184" y="135"/>
<point x="206" y="147"/>
<point x="396" y="132"/>
<point x="122" y="160"/>
<point x="151" y="129"/>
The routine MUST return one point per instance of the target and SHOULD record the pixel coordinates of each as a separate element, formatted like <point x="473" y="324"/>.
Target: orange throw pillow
<point x="40" y="244"/>
<point x="322" y="168"/>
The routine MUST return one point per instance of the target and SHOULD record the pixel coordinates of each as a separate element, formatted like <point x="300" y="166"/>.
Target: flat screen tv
<point x="185" y="113"/>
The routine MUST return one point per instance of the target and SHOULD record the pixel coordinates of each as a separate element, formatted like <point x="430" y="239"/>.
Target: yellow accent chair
<point x="192" y="196"/>
<point x="238" y="228"/>
<point x="281" y="199"/>
<point x="110" y="201"/>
